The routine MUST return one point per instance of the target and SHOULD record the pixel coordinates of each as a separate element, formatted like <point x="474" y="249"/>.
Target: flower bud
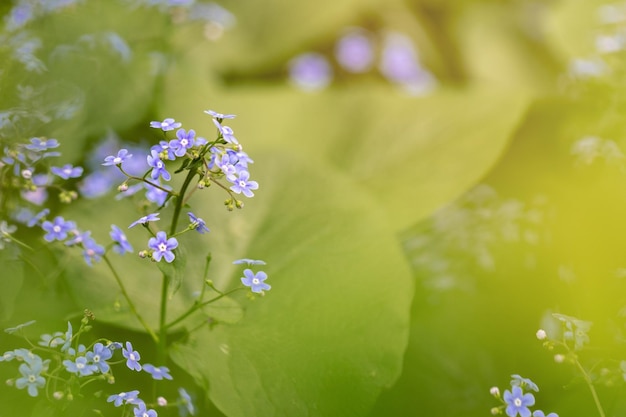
<point x="541" y="334"/>
<point x="559" y="358"/>
<point x="161" y="401"/>
<point x="495" y="391"/>
<point x="495" y="411"/>
<point x="122" y="187"/>
<point x="58" y="395"/>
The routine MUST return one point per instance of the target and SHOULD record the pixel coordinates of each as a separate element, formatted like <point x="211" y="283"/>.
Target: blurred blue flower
<point x="248" y="262"/>
<point x="123" y="397"/>
<point x="184" y="140"/>
<point x="310" y="71"/>
<point x="354" y="51"/>
<point x="57" y="229"/>
<point x="67" y="171"/>
<point x="31" y="377"/>
<point x="161" y="372"/>
<point x="121" y="242"/>
<point x="186" y="405"/>
<point x="98" y="357"/>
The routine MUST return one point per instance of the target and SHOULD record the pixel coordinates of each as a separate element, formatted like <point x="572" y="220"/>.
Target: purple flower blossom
<point x="162" y="247"/>
<point x="354" y="51"/>
<point x="132" y="357"/>
<point x="158" y="166"/>
<point x="156" y="195"/>
<point x="31" y="377"/>
<point x="145" y="219"/>
<point x="161" y="372"/>
<point x="186" y="405"/>
<point x="219" y="116"/>
<point x="242" y="185"/>
<point x="92" y="252"/>
<point x="248" y="262"/>
<point x="184" y="140"/>
<point x="123" y="397"/>
<point x="164" y="150"/>
<point x="226" y="132"/>
<point x="142" y="411"/>
<point x="539" y="413"/>
<point x="197" y="223"/>
<point x="77" y="237"/>
<point x="166" y="125"/>
<point x="122" y="155"/>
<point x="80" y="366"/>
<point x="40" y="145"/>
<point x="518" y="402"/>
<point x="57" y="229"/>
<point x="98" y="357"/>
<point x="310" y="71"/>
<point x="67" y="171"/>
<point x="121" y="242"/>
<point x="255" y="281"/>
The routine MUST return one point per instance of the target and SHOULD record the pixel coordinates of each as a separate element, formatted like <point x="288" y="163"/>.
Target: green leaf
<point x="13" y="278"/>
<point x="332" y="331"/>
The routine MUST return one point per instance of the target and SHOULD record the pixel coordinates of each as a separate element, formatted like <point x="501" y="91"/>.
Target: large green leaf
<point x="331" y="332"/>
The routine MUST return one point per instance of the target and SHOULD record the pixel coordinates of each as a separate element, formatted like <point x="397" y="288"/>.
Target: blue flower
<point x="123" y="397"/>
<point x="164" y="150"/>
<point x="51" y="340"/>
<point x="142" y="411"/>
<point x="310" y="71"/>
<point x="354" y="51"/>
<point x="68" y="338"/>
<point x="37" y="217"/>
<point x="57" y="229"/>
<point x="77" y="238"/>
<point x="539" y="413"/>
<point x="518" y="402"/>
<point x="92" y="252"/>
<point x="226" y="132"/>
<point x="122" y="155"/>
<point x="197" y="223"/>
<point x="80" y="366"/>
<point x="31" y="377"/>
<point x="186" y="405"/>
<point x="518" y="381"/>
<point x="248" y="262"/>
<point x="157" y="372"/>
<point x="162" y="247"/>
<point x="145" y="219"/>
<point x="158" y="166"/>
<point x="219" y="116"/>
<point x="242" y="185"/>
<point x="132" y="357"/>
<point x="99" y="356"/>
<point x="157" y="195"/>
<point x="184" y="141"/>
<point x="67" y="171"/>
<point x="166" y="125"/>
<point x="255" y="281"/>
<point x="121" y="242"/>
<point x="19" y="327"/>
<point x="40" y="145"/>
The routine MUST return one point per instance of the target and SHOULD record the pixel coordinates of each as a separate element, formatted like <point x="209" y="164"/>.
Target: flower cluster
<point x="517" y="401"/>
<point x="71" y="361"/>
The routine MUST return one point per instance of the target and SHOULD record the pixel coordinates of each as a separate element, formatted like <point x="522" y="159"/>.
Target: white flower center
<point x="162" y="247"/>
<point x="517" y="402"/>
<point x="255" y="281"/>
<point x="56" y="229"/>
<point x="117" y="160"/>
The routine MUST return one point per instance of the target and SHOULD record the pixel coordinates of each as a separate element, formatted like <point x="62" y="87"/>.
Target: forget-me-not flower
<point x="92" y="252"/>
<point x="123" y="397"/>
<point x="145" y="219"/>
<point x="121" y="242"/>
<point x="197" y="223"/>
<point x="186" y="405"/>
<point x="166" y="125"/>
<point x="255" y="281"/>
<point x="132" y="357"/>
<point x="161" y="372"/>
<point x="539" y="413"/>
<point x="122" y="155"/>
<point x="40" y="145"/>
<point x="57" y="229"/>
<point x="67" y="171"/>
<point x="162" y="247"/>
<point x="158" y="166"/>
<point x="517" y="402"/>
<point x="184" y="140"/>
<point x="243" y="185"/>
<point x="31" y="378"/>
<point x="248" y="261"/>
<point x="98" y="357"/>
<point x="219" y="116"/>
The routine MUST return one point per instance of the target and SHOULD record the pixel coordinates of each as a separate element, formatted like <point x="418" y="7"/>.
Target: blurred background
<point x="486" y="135"/>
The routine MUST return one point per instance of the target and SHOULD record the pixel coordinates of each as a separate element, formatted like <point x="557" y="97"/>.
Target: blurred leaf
<point x="331" y="332"/>
<point x="13" y="278"/>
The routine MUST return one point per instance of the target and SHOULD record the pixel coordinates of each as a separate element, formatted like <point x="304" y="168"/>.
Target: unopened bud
<point x="239" y="204"/>
<point x="143" y="254"/>
<point x="58" y="395"/>
<point x="495" y="391"/>
<point x="559" y="358"/>
<point x="122" y="187"/>
<point x="495" y="411"/>
<point x="27" y="174"/>
<point x="541" y="334"/>
<point x="161" y="401"/>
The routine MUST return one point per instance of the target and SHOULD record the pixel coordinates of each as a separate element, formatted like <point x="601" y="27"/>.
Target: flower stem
<point x="162" y="355"/>
<point x="131" y="305"/>
<point x="594" y="394"/>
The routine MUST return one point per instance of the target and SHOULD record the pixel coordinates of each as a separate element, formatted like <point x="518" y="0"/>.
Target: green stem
<point x="198" y="306"/>
<point x="180" y="200"/>
<point x="131" y="305"/>
<point x="162" y="352"/>
<point x="594" y="394"/>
